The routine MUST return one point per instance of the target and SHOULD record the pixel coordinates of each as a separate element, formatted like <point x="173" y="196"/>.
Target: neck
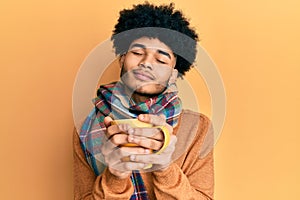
<point x="138" y="97"/>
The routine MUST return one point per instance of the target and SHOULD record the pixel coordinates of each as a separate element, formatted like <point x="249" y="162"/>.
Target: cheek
<point x="164" y="74"/>
<point x="131" y="62"/>
<point x="125" y="68"/>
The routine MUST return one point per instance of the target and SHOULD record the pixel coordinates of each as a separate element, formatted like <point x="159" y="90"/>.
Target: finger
<point x="115" y="129"/>
<point x="157" y="145"/>
<point x="148" y="159"/>
<point x="153" y="133"/>
<point x="145" y="142"/>
<point x="171" y="147"/>
<point x="134" y="150"/>
<point x="107" y="121"/>
<point x="157" y="120"/>
<point x="119" y="139"/>
<point x="158" y="159"/>
<point x="129" y="166"/>
<point x="121" y="154"/>
<point x="115" y="138"/>
<point x="155" y="161"/>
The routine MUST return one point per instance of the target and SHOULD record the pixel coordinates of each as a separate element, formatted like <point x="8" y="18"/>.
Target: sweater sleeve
<point x="88" y="186"/>
<point x="193" y="177"/>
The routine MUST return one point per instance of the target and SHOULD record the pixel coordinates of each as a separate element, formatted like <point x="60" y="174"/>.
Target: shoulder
<point x="194" y="132"/>
<point x="204" y="135"/>
<point x="192" y="118"/>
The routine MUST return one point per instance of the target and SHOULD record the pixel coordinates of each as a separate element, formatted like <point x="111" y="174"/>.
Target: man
<point x="105" y="166"/>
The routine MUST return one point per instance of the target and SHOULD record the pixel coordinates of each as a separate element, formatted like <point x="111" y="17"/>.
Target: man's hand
<point x="121" y="160"/>
<point x="117" y="158"/>
<point x="152" y="138"/>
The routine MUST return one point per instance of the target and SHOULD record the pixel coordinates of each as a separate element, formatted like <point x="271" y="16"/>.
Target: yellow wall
<point x="254" y="43"/>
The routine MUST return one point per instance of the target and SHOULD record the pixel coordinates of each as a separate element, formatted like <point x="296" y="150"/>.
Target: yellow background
<point x="255" y="45"/>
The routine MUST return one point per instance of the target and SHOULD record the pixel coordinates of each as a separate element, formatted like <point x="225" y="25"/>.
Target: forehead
<point x="150" y="43"/>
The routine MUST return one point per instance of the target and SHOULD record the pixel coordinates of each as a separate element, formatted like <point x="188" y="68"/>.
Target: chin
<point x="144" y="88"/>
<point x="150" y="90"/>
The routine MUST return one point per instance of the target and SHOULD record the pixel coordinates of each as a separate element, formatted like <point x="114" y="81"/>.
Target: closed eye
<point x="162" y="62"/>
<point x="136" y="53"/>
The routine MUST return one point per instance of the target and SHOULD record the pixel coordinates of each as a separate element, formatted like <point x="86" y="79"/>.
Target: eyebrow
<point x="164" y="53"/>
<point x="144" y="47"/>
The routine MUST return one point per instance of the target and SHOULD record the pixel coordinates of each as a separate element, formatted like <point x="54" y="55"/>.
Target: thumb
<point x="107" y="121"/>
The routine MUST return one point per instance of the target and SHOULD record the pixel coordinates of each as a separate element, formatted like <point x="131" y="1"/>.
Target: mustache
<point x="143" y="72"/>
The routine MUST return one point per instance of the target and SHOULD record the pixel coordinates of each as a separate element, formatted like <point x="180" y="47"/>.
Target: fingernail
<point x="130" y="131"/>
<point x="147" y="151"/>
<point x="141" y="116"/>
<point x="130" y="138"/>
<point x="132" y="157"/>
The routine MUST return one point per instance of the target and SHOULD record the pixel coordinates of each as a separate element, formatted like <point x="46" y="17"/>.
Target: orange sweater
<point x="190" y="176"/>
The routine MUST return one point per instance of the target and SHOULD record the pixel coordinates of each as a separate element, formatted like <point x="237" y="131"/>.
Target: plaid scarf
<point x="112" y="101"/>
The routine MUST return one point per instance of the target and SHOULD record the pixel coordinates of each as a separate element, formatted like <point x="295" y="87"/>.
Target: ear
<point x="121" y="60"/>
<point x="173" y="77"/>
<point x="175" y="61"/>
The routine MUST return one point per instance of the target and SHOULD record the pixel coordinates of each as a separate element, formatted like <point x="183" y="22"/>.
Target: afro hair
<point x="144" y="19"/>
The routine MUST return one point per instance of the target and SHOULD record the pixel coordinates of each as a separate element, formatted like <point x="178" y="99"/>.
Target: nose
<point x="146" y="62"/>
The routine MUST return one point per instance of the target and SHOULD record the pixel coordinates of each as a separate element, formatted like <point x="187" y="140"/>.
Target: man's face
<point x="147" y="66"/>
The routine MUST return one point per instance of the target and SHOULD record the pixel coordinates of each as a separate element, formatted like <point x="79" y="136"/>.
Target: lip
<point x="143" y="76"/>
